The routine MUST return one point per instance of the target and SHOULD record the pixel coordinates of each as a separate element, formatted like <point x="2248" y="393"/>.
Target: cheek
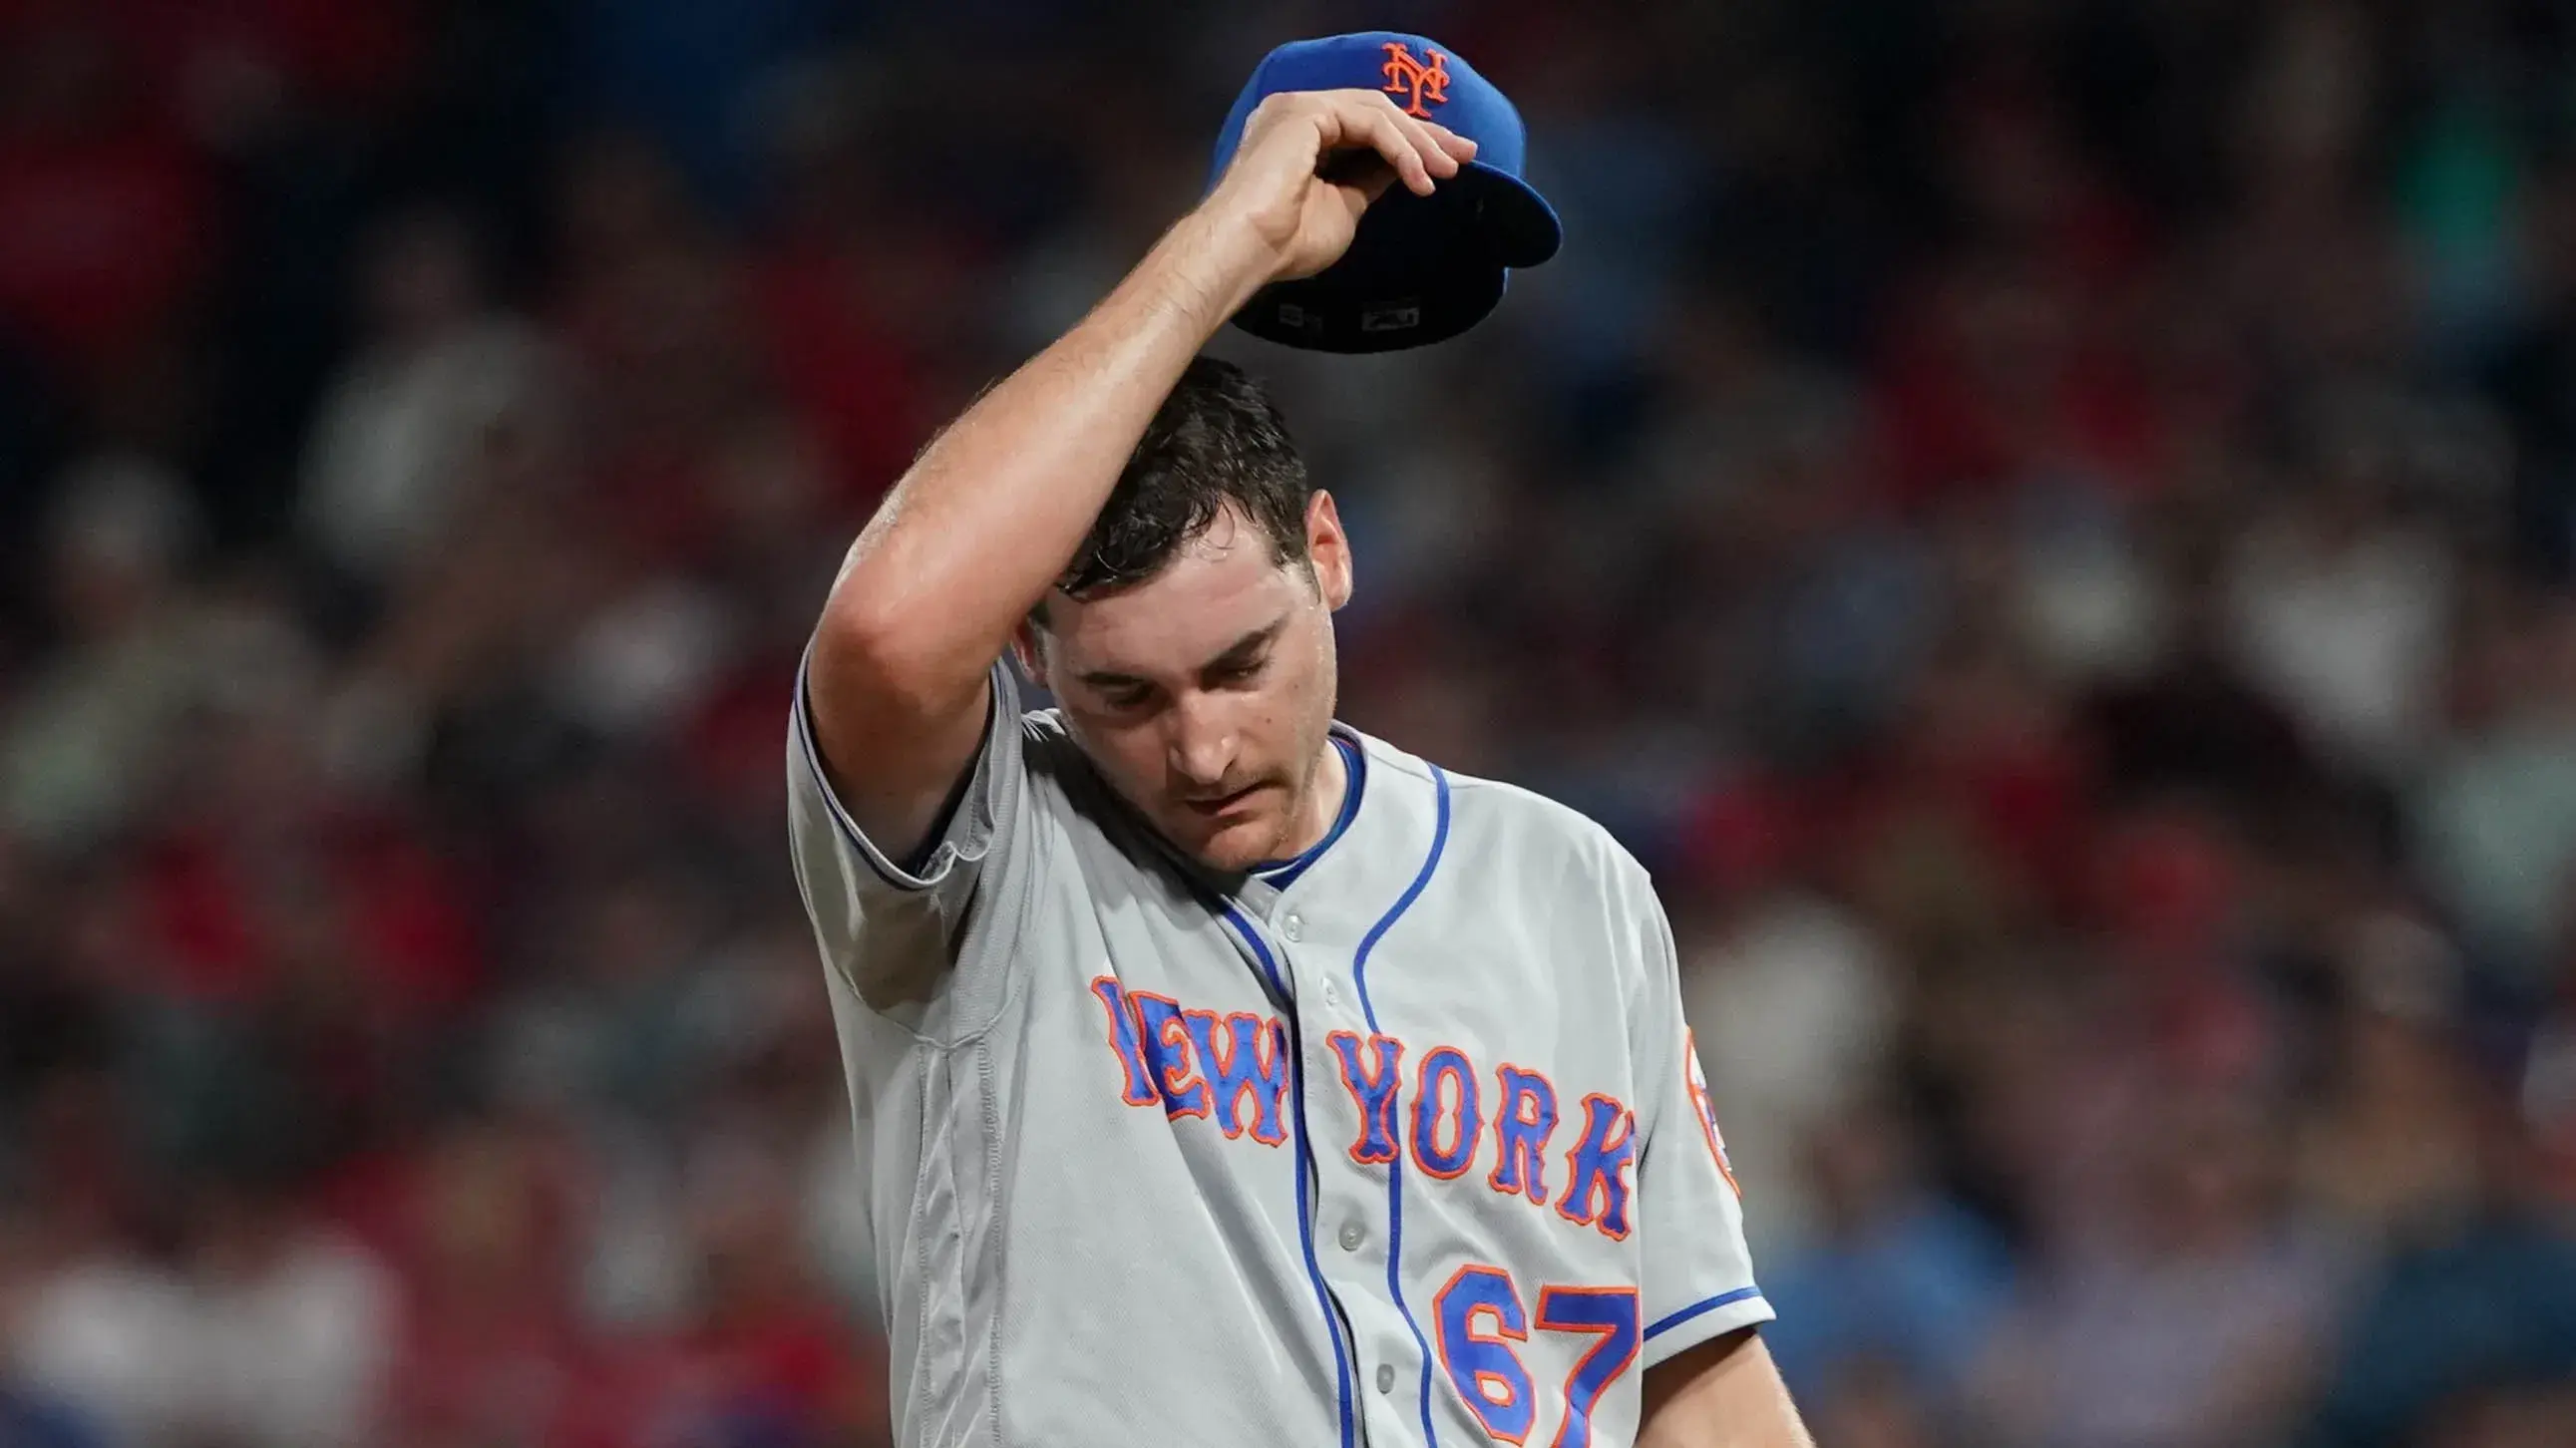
<point x="1129" y="752"/>
<point x="1300" y="699"/>
<point x="1264" y="721"/>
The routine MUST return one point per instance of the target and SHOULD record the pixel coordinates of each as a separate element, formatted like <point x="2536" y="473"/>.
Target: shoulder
<point x="1091" y="830"/>
<point x="1057" y="765"/>
<point x="1504" y="825"/>
<point x="1550" y="879"/>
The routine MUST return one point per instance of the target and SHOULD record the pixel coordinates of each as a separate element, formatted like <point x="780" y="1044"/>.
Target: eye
<point x="1224" y="675"/>
<point x="1126" y="697"/>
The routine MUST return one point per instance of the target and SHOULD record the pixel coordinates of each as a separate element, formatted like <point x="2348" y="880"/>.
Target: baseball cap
<point x="1420" y="269"/>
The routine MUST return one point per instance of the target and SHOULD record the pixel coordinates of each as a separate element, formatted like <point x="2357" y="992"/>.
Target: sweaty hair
<point x="1216" y="440"/>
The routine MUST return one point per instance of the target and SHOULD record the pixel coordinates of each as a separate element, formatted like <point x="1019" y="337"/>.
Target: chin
<point x="1238" y="845"/>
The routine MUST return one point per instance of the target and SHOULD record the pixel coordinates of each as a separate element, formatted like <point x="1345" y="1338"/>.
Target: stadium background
<point x="2049" y="525"/>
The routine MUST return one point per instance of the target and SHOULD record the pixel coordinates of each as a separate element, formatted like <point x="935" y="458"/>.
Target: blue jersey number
<point x="1480" y="1317"/>
<point x="1610" y="1313"/>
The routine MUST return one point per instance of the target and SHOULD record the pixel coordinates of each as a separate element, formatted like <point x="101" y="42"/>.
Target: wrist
<point x="1213" y="262"/>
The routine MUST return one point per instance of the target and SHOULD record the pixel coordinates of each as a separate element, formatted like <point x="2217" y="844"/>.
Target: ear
<point x="1329" y="549"/>
<point x="1031" y="650"/>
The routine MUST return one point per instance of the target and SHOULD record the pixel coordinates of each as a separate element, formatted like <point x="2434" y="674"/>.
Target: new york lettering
<point x="1440" y="1109"/>
<point x="1232" y="1068"/>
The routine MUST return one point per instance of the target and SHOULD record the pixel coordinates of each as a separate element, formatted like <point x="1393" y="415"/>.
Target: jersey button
<point x="1292" y="927"/>
<point x="1386" y="1377"/>
<point x="1332" y="997"/>
<point x="1352" y="1235"/>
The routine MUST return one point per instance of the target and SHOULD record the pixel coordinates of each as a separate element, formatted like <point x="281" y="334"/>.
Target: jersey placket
<point x="1349" y="1203"/>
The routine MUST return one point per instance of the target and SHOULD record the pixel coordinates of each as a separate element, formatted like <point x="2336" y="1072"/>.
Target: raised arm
<point x="991" y="513"/>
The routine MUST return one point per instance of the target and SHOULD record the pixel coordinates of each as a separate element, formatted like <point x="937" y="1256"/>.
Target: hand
<point x="1309" y="164"/>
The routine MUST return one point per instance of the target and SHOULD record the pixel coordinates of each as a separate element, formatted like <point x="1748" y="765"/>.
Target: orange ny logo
<point x="1416" y="81"/>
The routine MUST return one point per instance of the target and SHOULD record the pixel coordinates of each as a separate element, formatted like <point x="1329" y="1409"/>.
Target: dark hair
<point x="1217" y="439"/>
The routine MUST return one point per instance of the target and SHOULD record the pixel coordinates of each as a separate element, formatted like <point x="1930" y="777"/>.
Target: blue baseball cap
<point x="1420" y="269"/>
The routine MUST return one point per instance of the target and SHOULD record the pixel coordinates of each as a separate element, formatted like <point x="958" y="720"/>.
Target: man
<point x="1224" y="1076"/>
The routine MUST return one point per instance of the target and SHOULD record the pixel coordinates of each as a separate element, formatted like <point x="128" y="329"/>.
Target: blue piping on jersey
<point x="1710" y="1304"/>
<point x="1261" y="952"/>
<point x="1280" y="874"/>
<point x="1395" y="1169"/>
<point x="1305" y="1172"/>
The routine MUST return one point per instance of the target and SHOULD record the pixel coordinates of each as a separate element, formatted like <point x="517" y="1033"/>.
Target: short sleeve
<point x="1697" y="1276"/>
<point x="899" y="936"/>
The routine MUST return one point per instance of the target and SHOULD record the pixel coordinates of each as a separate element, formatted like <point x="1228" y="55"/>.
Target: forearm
<point x="1725" y="1393"/>
<point x="992" y="512"/>
<point x="989" y="515"/>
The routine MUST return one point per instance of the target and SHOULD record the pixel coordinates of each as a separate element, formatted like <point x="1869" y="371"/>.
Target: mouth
<point x="1219" y="806"/>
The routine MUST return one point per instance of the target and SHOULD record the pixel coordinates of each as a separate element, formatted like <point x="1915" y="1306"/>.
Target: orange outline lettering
<point x="1376" y="1095"/>
<point x="1520" y="1142"/>
<point x="1126" y="1040"/>
<point x="1608" y="1177"/>
<point x="1429" y="1106"/>
<point x="1636" y="1329"/>
<point x="1220" y="1050"/>
<point x="1707" y="1108"/>
<point x="1187" y="1096"/>
<point x="1501" y="1337"/>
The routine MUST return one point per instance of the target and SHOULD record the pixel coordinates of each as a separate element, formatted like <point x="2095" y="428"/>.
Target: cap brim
<point x="1521" y="225"/>
<point x="1319" y="315"/>
<point x="1421" y="270"/>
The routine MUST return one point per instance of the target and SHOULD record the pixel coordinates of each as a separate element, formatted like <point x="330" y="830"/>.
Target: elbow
<point x="869" y="646"/>
<point x="859" y="622"/>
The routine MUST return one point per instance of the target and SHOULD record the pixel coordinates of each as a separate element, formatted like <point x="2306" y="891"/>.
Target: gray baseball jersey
<point x="1402" y="1142"/>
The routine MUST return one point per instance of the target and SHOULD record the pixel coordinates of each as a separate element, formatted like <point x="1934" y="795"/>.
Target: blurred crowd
<point x="2051" y="527"/>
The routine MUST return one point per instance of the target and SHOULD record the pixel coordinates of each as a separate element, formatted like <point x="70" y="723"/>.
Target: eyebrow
<point x="1240" y="652"/>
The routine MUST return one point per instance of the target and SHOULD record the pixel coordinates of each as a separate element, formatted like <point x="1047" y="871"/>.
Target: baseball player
<point x="1224" y="1075"/>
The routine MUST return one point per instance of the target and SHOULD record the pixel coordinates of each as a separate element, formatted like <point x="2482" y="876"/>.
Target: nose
<point x="1199" y="740"/>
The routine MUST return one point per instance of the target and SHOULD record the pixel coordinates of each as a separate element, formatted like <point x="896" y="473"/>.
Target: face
<point x="1204" y="694"/>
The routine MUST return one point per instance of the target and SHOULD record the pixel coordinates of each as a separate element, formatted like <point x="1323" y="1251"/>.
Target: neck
<point x="1322" y="805"/>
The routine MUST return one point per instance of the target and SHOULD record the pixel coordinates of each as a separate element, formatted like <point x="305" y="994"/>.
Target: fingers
<point x="1360" y="131"/>
<point x="1437" y="163"/>
<point x="1421" y="153"/>
<point x="1456" y="145"/>
<point x="1441" y="150"/>
<point x="1399" y="141"/>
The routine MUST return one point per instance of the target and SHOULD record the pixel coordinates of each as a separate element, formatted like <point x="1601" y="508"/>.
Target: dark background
<point x="2047" y="525"/>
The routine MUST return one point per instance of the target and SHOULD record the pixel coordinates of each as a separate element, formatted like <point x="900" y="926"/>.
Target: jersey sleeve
<point x="900" y="934"/>
<point x="1697" y="1272"/>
